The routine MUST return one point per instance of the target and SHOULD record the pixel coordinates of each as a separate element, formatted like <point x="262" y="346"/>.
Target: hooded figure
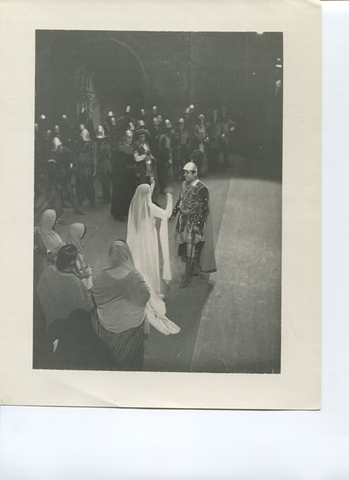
<point x="47" y="243"/>
<point x="82" y="269"/>
<point x="142" y="238"/>
<point x="121" y="295"/>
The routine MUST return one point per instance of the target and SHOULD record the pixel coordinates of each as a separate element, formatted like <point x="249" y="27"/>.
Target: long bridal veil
<point x="142" y="238"/>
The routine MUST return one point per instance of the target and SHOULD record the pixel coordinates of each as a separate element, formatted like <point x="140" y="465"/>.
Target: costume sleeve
<point x="204" y="197"/>
<point x="159" y="212"/>
<point x="138" y="156"/>
<point x="176" y="207"/>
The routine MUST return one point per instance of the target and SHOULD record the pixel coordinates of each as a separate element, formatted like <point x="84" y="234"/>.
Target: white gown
<point x="142" y="238"/>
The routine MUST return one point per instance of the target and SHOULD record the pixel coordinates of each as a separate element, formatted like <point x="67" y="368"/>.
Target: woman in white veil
<point x="142" y="238"/>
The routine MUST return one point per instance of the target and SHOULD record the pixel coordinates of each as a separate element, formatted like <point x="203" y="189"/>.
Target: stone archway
<point x="104" y="74"/>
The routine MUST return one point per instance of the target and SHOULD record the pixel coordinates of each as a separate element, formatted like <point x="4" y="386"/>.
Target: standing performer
<point x="142" y="238"/>
<point x="164" y="159"/>
<point x="123" y="177"/>
<point x="86" y="168"/>
<point x="104" y="165"/>
<point x="145" y="162"/>
<point x="194" y="226"/>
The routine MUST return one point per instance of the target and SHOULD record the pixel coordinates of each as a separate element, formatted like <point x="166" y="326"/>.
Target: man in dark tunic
<point x="64" y="169"/>
<point x="164" y="159"/>
<point x="86" y="170"/>
<point x="194" y="227"/>
<point x="144" y="159"/>
<point x="124" y="178"/>
<point x="104" y="165"/>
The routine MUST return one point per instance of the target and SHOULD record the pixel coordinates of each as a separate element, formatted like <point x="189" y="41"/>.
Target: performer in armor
<point x="194" y="226"/>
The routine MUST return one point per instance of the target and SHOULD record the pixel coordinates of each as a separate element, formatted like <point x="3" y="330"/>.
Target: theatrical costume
<point x="124" y="180"/>
<point x="121" y="295"/>
<point x="142" y="238"/>
<point x="82" y="268"/>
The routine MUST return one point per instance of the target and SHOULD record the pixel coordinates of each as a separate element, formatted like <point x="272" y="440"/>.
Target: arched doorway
<point x="103" y="75"/>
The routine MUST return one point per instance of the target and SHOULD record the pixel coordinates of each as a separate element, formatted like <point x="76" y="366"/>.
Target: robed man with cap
<point x="194" y="226"/>
<point x="145" y="162"/>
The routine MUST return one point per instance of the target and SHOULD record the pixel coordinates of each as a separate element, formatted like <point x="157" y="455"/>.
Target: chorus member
<point x="60" y="291"/>
<point x="124" y="180"/>
<point x="214" y="141"/>
<point x="104" y="164"/>
<point x="121" y="295"/>
<point x="164" y="160"/>
<point x="86" y="168"/>
<point x="82" y="268"/>
<point x="201" y="140"/>
<point x="47" y="243"/>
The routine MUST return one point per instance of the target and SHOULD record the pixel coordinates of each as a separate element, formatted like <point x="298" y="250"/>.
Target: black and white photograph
<point x="158" y="196"/>
<point x="164" y="249"/>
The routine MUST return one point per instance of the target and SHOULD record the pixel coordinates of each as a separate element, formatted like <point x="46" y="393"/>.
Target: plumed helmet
<point x="190" y="167"/>
<point x="167" y="124"/>
<point x="100" y="132"/>
<point x="56" y="130"/>
<point x="55" y="144"/>
<point x="85" y="135"/>
<point x="110" y="114"/>
<point x="155" y="110"/>
<point x="187" y="110"/>
<point x="143" y="112"/>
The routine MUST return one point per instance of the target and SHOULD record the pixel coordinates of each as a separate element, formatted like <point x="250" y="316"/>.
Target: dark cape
<point x="124" y="179"/>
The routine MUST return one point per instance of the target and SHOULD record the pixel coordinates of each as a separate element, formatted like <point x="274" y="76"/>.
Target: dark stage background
<point x="106" y="71"/>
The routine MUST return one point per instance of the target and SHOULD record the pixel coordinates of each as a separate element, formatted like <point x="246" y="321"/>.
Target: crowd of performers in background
<point x="124" y="153"/>
<point x="110" y="311"/>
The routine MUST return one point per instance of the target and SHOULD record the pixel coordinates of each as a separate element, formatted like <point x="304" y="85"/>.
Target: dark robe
<point x="124" y="179"/>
